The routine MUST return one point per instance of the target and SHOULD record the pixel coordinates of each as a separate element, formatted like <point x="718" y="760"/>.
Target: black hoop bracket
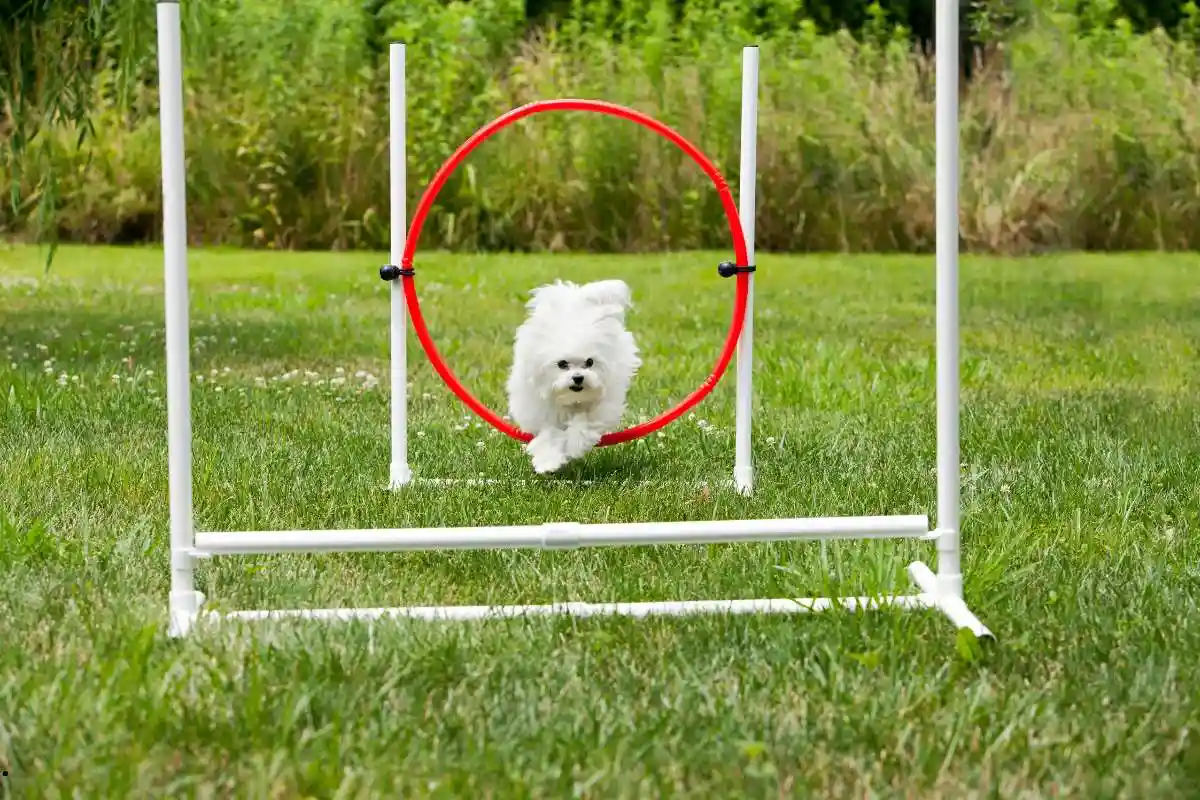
<point x="390" y="272"/>
<point x="727" y="269"/>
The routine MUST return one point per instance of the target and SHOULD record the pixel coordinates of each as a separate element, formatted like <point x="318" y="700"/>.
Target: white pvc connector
<point x="561" y="535"/>
<point x="743" y="469"/>
<point x="952" y="605"/>
<point x="400" y="474"/>
<point x="948" y="497"/>
<point x="184" y="602"/>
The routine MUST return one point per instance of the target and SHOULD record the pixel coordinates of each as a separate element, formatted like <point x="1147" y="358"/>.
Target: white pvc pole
<point x="400" y="474"/>
<point x="946" y="42"/>
<point x="563" y="535"/>
<point x="668" y="608"/>
<point x="743" y="469"/>
<point x="184" y="601"/>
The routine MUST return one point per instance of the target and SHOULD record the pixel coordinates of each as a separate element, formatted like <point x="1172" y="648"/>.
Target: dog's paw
<point x="548" y="461"/>
<point x="546" y="453"/>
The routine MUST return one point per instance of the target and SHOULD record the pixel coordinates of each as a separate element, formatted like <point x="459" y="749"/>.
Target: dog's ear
<point x="608" y="293"/>
<point x="550" y="294"/>
<point x="610" y="299"/>
<point x="607" y="312"/>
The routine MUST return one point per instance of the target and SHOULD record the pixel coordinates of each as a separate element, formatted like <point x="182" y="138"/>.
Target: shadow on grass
<point x="621" y="466"/>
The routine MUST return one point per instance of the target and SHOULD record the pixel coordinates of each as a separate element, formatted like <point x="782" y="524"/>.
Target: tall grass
<point x="1077" y="132"/>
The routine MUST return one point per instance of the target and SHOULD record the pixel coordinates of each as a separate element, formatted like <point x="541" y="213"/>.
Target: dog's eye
<point x="563" y="365"/>
<point x="588" y="363"/>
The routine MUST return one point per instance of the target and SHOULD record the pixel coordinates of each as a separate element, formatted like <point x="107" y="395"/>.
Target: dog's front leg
<point x="547" y="450"/>
<point x="580" y="437"/>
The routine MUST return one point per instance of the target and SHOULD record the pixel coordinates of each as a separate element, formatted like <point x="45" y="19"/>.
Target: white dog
<point x="573" y="362"/>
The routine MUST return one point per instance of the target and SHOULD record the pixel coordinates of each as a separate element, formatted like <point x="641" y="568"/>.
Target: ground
<point x="1081" y="453"/>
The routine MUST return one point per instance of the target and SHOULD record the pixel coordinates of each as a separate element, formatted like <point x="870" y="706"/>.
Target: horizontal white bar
<point x="562" y="535"/>
<point x="672" y="608"/>
<point x="953" y="607"/>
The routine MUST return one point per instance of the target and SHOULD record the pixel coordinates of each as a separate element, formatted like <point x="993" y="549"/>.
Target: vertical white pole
<point x="743" y="469"/>
<point x="398" y="177"/>
<point x="946" y="41"/>
<point x="184" y="600"/>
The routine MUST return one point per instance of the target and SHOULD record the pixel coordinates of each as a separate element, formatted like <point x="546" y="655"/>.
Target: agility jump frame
<point x="402" y="273"/>
<point x="942" y="591"/>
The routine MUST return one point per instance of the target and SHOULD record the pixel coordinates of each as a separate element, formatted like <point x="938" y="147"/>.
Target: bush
<point x="287" y="131"/>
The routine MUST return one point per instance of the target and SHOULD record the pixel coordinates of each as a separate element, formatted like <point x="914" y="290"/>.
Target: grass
<point x="1080" y="453"/>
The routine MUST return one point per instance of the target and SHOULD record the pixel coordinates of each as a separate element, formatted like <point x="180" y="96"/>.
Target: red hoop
<point x="439" y="180"/>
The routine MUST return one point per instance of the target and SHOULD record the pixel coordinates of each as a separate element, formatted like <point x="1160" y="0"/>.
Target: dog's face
<point x="573" y="351"/>
<point x="574" y="379"/>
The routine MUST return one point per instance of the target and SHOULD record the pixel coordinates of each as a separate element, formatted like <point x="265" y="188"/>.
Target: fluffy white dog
<point x="573" y="362"/>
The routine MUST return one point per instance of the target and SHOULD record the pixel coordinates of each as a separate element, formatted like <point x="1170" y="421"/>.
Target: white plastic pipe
<point x="562" y="535"/>
<point x="953" y="606"/>
<point x="743" y="469"/>
<point x="400" y="474"/>
<point x="667" y="608"/>
<point x="183" y="598"/>
<point x="949" y="568"/>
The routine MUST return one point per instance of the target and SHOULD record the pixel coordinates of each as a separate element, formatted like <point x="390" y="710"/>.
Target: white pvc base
<point x="954" y="609"/>
<point x="400" y="476"/>
<point x="185" y="608"/>
<point x="743" y="480"/>
<point x="936" y="592"/>
<point x="950" y="604"/>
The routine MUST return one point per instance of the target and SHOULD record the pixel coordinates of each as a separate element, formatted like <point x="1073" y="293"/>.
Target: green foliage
<point x="287" y="127"/>
<point x="50" y="53"/>
<point x="830" y="16"/>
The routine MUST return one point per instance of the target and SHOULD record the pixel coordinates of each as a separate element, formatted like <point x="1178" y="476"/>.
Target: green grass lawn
<point x="1081" y="484"/>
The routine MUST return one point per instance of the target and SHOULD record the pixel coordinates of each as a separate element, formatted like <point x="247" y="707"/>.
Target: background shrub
<point x="1081" y="127"/>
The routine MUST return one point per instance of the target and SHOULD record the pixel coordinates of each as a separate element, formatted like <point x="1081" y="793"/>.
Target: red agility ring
<point x="735" y="229"/>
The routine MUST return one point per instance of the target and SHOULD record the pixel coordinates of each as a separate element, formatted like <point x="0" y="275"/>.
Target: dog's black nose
<point x="577" y="380"/>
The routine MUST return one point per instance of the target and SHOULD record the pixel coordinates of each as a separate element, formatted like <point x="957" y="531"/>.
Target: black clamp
<point x="727" y="269"/>
<point x="389" y="272"/>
